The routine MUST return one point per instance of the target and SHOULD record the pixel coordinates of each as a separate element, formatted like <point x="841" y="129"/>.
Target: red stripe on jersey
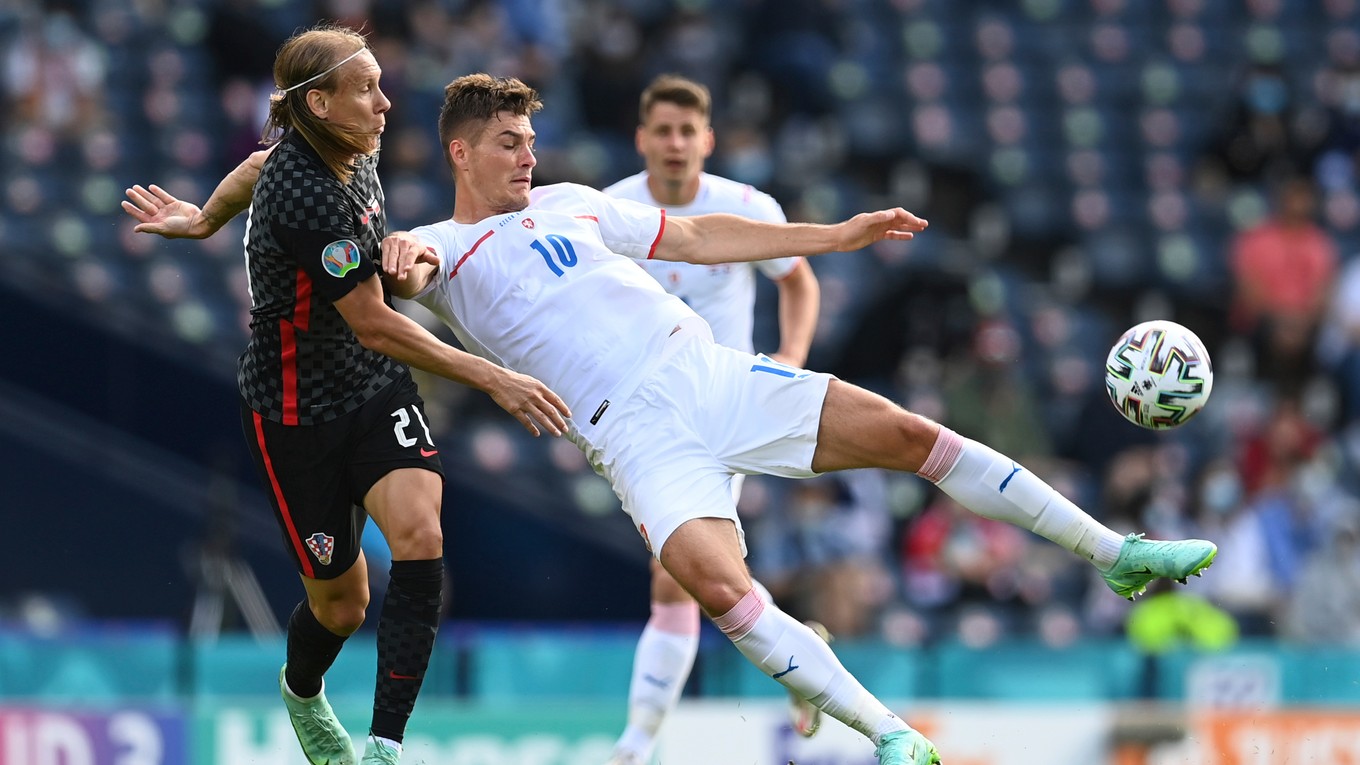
<point x="302" y="319"/>
<point x="652" y="252"/>
<point x="288" y="360"/>
<point x="468" y="254"/>
<point x="302" y="303"/>
<point x="284" y="512"/>
<point x="589" y="217"/>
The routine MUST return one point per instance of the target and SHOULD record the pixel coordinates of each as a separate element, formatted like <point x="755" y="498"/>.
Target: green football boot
<point x="1142" y="560"/>
<point x="323" y="739"/>
<point x="906" y="747"/>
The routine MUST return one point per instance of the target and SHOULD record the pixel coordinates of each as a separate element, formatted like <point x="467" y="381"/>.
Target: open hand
<point x="402" y="250"/>
<point x="866" y="228"/>
<point x="160" y="212"/>
<point x="531" y="402"/>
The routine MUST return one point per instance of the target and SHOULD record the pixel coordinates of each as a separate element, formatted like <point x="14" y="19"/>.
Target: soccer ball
<point x="1158" y="375"/>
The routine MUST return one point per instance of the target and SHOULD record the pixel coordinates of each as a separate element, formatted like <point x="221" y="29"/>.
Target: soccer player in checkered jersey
<point x="674" y="137"/>
<point x="546" y="283"/>
<point x="330" y="412"/>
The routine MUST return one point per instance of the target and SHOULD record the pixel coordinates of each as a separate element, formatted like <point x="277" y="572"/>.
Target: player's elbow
<point x="684" y="242"/>
<point x="373" y="335"/>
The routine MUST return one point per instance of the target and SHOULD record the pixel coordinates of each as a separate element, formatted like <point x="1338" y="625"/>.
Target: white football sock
<point x="798" y="659"/>
<point x="994" y="486"/>
<point x="661" y="665"/>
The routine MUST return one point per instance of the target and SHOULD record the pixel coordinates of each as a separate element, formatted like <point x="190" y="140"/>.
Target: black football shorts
<point x="317" y="475"/>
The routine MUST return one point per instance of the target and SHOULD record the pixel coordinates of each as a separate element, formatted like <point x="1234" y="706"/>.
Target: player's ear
<point x="709" y="142"/>
<point x="318" y="103"/>
<point x="457" y="151"/>
<point x="637" y="138"/>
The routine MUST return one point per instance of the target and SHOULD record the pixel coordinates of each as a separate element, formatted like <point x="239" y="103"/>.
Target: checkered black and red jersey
<point x="310" y="240"/>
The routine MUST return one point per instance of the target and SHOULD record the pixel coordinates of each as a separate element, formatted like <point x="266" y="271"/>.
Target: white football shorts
<point x="702" y="415"/>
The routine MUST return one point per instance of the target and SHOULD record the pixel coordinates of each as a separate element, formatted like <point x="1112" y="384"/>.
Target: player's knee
<point x="915" y="436"/>
<point x="419" y="542"/>
<point x="718" y="596"/>
<point x="343" y="617"/>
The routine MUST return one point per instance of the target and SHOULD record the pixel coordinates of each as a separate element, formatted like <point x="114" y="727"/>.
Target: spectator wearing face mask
<point x="1261" y="138"/>
<point x="1250" y="590"/>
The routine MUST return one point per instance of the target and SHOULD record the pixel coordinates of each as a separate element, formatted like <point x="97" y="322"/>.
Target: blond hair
<point x="309" y="61"/>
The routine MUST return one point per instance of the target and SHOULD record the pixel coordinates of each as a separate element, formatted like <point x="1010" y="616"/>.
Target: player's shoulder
<point x="299" y="171"/>
<point x="446" y="233"/>
<point x="632" y="187"/>
<point x="564" y="197"/>
<point x="737" y="195"/>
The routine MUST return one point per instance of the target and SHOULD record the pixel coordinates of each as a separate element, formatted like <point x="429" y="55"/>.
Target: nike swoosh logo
<point x="658" y="682"/>
<point x="393" y="674"/>
<point x="791" y="668"/>
<point x="1014" y="469"/>
<point x="428" y="452"/>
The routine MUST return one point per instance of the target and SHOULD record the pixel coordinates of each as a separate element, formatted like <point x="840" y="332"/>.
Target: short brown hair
<point x="478" y="98"/>
<point x="674" y="89"/>
<point x="302" y="57"/>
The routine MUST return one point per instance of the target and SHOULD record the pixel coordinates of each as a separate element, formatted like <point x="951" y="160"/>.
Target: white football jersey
<point x="724" y="294"/>
<point x="554" y="291"/>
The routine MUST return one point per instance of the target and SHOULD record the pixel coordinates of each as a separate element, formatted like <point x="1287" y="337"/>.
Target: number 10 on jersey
<point x="562" y="249"/>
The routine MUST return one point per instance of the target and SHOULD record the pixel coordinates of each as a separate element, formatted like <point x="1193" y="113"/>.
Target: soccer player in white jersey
<point x="674" y="137"/>
<point x="547" y="285"/>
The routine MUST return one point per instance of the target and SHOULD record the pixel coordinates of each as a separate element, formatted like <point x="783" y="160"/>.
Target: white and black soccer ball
<point x="1159" y="375"/>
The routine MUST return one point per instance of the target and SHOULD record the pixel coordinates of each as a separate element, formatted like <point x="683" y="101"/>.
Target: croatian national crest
<point x="339" y="258"/>
<point x="322" y="546"/>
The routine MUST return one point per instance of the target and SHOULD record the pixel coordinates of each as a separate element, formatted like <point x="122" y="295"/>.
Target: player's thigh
<point x="863" y="429"/>
<point x="757" y="415"/>
<point x="405" y="503"/>
<point x="706" y="557"/>
<point x="663" y="472"/>
<point x="395" y="473"/>
<point x="303" y="469"/>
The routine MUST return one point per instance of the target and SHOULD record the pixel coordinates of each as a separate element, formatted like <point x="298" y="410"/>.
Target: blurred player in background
<point x="331" y="414"/>
<point x="544" y="283"/>
<point x="674" y="137"/>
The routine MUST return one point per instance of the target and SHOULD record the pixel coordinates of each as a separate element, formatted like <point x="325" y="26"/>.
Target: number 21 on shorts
<point x="404" y="421"/>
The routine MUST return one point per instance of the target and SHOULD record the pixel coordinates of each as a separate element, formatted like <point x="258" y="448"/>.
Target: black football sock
<point x="406" y="630"/>
<point x="311" y="650"/>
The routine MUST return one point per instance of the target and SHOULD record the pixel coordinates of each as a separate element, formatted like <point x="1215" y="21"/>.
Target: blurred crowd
<point x="1086" y="164"/>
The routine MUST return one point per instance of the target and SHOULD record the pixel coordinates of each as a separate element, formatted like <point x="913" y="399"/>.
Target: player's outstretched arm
<point x="159" y="212"/>
<point x="723" y="238"/>
<point x="381" y="329"/>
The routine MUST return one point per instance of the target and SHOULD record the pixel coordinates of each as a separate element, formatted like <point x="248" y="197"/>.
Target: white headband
<point x="338" y="64"/>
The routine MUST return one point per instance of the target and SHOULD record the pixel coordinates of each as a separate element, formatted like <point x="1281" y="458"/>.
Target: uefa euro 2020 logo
<point x="340" y="257"/>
